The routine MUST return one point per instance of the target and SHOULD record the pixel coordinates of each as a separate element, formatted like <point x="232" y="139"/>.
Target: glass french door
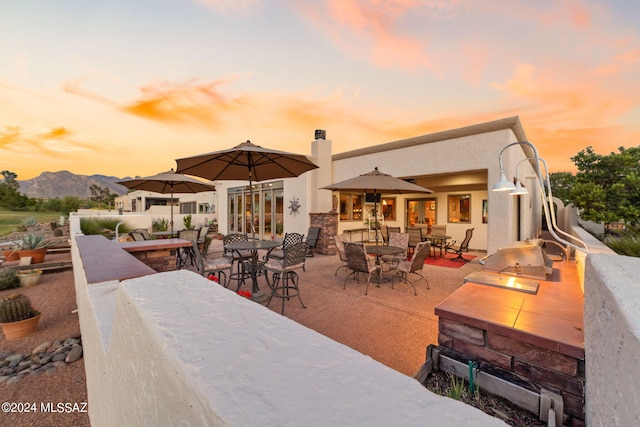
<point x="421" y="211"/>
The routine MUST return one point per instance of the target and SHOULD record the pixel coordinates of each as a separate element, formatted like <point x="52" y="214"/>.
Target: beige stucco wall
<point x="612" y="340"/>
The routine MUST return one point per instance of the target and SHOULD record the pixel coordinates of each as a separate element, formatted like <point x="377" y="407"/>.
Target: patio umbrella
<point x="167" y="183"/>
<point x="246" y="161"/>
<point x="377" y="182"/>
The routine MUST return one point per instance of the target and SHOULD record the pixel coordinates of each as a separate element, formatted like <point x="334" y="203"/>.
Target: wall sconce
<point x="547" y="199"/>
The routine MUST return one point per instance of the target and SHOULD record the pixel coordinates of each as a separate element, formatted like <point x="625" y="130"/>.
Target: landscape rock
<point x="46" y="358"/>
<point x="41" y="348"/>
<point x="74" y="354"/>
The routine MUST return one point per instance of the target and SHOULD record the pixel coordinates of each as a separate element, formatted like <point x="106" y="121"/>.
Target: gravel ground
<point x="55" y="297"/>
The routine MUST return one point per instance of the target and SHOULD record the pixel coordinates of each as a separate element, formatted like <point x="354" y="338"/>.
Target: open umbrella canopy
<point x="246" y="161"/>
<point x="377" y="182"/>
<point x="167" y="183"/>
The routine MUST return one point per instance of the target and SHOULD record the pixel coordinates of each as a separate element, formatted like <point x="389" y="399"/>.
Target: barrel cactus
<point x="8" y="279"/>
<point x="15" y="308"/>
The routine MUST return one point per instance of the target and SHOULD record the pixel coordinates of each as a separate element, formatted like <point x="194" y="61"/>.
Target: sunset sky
<point x="124" y="87"/>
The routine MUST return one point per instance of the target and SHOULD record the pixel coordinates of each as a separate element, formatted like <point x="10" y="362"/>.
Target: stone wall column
<point x="328" y="224"/>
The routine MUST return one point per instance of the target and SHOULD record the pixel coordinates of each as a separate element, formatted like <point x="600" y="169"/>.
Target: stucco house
<point x="459" y="165"/>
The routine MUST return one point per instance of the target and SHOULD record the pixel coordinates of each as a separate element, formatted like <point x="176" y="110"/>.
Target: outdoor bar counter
<point x="159" y="254"/>
<point x="535" y="339"/>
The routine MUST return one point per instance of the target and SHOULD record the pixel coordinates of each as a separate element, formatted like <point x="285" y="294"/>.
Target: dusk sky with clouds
<point x="124" y="88"/>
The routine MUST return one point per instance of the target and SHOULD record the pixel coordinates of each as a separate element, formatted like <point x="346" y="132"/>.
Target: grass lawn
<point x="10" y="220"/>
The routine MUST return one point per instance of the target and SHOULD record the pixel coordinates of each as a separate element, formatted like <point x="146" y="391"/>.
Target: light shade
<point x="503" y="184"/>
<point x="518" y="190"/>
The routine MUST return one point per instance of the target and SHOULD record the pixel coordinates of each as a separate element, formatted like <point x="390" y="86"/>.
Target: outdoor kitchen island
<point x="532" y="340"/>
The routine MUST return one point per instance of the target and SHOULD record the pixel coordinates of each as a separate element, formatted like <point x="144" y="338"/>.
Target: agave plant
<point x="34" y="241"/>
<point x="29" y="221"/>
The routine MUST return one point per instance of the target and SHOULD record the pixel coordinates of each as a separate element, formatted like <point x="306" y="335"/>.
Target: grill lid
<point x="525" y="258"/>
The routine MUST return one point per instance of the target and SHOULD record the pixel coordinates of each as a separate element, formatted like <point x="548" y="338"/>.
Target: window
<point x="389" y="209"/>
<point x="268" y="208"/>
<point x="459" y="208"/>
<point x="350" y="207"/>
<point x="188" y="208"/>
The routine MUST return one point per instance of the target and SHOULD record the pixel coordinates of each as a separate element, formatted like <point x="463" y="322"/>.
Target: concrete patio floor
<point x="392" y="326"/>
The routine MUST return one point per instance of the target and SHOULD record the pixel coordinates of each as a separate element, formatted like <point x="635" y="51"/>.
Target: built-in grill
<point x="526" y="258"/>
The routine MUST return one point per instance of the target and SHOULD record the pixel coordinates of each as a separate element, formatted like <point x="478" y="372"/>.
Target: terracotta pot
<point x="37" y="255"/>
<point x="10" y="255"/>
<point x="29" y="277"/>
<point x="15" y="330"/>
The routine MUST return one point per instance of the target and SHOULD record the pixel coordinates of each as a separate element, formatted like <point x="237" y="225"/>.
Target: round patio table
<point x="254" y="246"/>
<point x="378" y="251"/>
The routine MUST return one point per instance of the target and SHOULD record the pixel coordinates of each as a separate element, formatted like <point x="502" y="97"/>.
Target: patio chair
<point x="462" y="247"/>
<point x="217" y="265"/>
<point x="290" y="239"/>
<point x="340" y="240"/>
<point x="393" y="230"/>
<point x="285" y="277"/>
<point x="312" y="239"/>
<point x="384" y="232"/>
<point x="415" y="237"/>
<point x="399" y="240"/>
<point x="144" y="232"/>
<point x="439" y="230"/>
<point x="237" y="257"/>
<point x="404" y="268"/>
<point x="202" y="237"/>
<point x="186" y="255"/>
<point x="359" y="262"/>
<point x="136" y="236"/>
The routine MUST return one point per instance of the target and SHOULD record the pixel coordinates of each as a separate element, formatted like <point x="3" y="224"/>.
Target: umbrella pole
<point x="375" y="215"/>
<point x="253" y="229"/>
<point x="172" y="209"/>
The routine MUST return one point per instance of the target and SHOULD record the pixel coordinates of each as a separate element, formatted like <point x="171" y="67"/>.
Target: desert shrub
<point x="159" y="224"/>
<point x="627" y="243"/>
<point x="104" y="226"/>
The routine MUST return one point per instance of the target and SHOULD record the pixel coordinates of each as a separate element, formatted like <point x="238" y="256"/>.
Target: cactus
<point x="8" y="279"/>
<point x="15" y="308"/>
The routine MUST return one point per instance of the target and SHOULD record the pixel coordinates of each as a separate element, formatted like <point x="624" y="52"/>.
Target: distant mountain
<point x="64" y="183"/>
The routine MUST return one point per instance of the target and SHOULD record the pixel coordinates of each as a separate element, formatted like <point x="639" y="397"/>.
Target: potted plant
<point x="35" y="246"/>
<point x="187" y="222"/>
<point x="8" y="279"/>
<point x="29" y="277"/>
<point x="17" y="318"/>
<point x="10" y="254"/>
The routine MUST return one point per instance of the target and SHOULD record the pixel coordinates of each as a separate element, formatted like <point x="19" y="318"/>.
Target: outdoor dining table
<point x="438" y="240"/>
<point x="380" y="250"/>
<point x="254" y="246"/>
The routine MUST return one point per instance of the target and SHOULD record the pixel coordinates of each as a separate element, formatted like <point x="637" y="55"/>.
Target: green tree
<point x="561" y="185"/>
<point x="10" y="179"/>
<point x="70" y="204"/>
<point x="10" y="197"/>
<point x="607" y="188"/>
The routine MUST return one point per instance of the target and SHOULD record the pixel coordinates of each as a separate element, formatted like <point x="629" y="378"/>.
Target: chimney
<point x="321" y="134"/>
